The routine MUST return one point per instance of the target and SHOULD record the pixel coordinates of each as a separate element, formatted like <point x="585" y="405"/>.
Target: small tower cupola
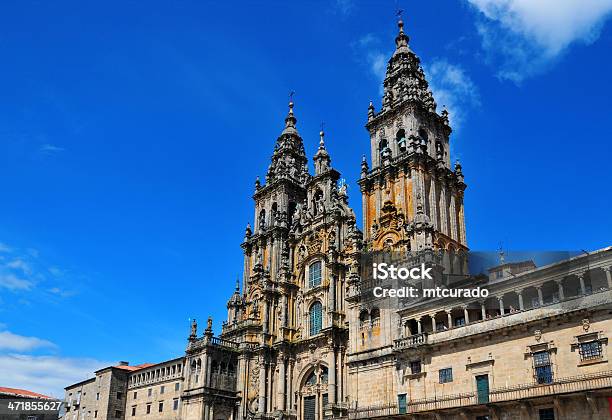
<point x="322" y="161"/>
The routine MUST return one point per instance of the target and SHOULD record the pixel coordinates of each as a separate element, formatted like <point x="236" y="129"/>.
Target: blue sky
<point x="131" y="134"/>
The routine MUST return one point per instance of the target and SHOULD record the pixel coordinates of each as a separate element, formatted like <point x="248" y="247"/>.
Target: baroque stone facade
<point x="301" y="342"/>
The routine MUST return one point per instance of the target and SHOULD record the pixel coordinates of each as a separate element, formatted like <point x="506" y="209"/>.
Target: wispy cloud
<point x="12" y="282"/>
<point x="453" y="88"/>
<point x="368" y="50"/>
<point x="46" y="374"/>
<point x="50" y="149"/>
<point x="344" y="7"/>
<point x="523" y="38"/>
<point x="14" y="342"/>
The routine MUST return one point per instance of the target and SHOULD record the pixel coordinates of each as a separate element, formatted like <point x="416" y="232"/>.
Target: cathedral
<point x="302" y="340"/>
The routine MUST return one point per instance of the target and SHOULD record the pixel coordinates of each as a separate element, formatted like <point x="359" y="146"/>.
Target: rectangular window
<point x="446" y="375"/>
<point x="175" y="404"/>
<point x="547" y="414"/>
<point x="150" y="391"/>
<point x="161" y="406"/>
<point x="590" y="351"/>
<point x="162" y="389"/>
<point x="135" y="394"/>
<point x="133" y="410"/>
<point x="401" y="403"/>
<point x="542" y="366"/>
<point x="96" y="414"/>
<point x="415" y="367"/>
<point x="177" y="386"/>
<point x="118" y="414"/>
<point x="119" y="395"/>
<point x="148" y="408"/>
<point x="97" y="396"/>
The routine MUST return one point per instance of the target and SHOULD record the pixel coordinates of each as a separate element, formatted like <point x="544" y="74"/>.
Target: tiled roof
<point x="133" y="368"/>
<point x="21" y="393"/>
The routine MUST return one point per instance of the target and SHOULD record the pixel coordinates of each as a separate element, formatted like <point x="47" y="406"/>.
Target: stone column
<point x="433" y="322"/>
<point x="266" y="316"/>
<point x="332" y="293"/>
<point x="206" y="411"/>
<point x="466" y="315"/>
<point x="560" y="286"/>
<point x="501" y="306"/>
<point x="280" y="391"/>
<point x="208" y="372"/>
<point x="608" y="272"/>
<point x="453" y="217"/>
<point x="450" y="319"/>
<point x="419" y="326"/>
<point x="582" y="286"/>
<point x="331" y="391"/>
<point x="290" y="385"/>
<point x="540" y="296"/>
<point x="262" y="384"/>
<point x="483" y="310"/>
<point x="520" y="299"/>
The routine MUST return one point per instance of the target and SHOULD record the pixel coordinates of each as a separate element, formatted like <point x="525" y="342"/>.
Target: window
<point x="314" y="274"/>
<point x="401" y="403"/>
<point x="148" y="408"/>
<point x="590" y="350"/>
<point x="542" y="366"/>
<point x="119" y="395"/>
<point x="316" y="315"/>
<point x="118" y="414"/>
<point x="96" y="414"/>
<point x="312" y="379"/>
<point x="460" y="321"/>
<point x="162" y="389"/>
<point x="97" y="396"/>
<point x="161" y="406"/>
<point x="547" y="414"/>
<point x="446" y="375"/>
<point x="415" y="367"/>
<point x="175" y="403"/>
<point x="177" y="386"/>
<point x="133" y="410"/>
<point x="150" y="391"/>
<point x="135" y="394"/>
<point x="499" y="274"/>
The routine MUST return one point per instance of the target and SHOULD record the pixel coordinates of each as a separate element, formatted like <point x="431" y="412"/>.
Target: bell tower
<point x="412" y="197"/>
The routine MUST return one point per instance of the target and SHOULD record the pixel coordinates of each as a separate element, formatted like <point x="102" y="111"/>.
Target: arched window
<point x="375" y="317"/>
<point x="382" y="146"/>
<point x="363" y="319"/>
<point x="314" y="274"/>
<point x="274" y="214"/>
<point x="312" y="379"/>
<point x="423" y="134"/>
<point x="262" y="219"/>
<point x="316" y="318"/>
<point x="324" y="375"/>
<point x="400" y="137"/>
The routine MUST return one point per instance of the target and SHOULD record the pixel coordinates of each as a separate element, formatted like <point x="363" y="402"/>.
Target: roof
<point x="127" y="367"/>
<point x="21" y="393"/>
<point x="133" y="368"/>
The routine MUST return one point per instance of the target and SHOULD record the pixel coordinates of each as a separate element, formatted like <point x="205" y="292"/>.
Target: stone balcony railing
<point x="587" y="382"/>
<point x="230" y="327"/>
<point x="410" y="342"/>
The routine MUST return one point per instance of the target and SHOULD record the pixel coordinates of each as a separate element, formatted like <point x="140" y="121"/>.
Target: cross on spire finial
<point x="291" y="95"/>
<point x="321" y="135"/>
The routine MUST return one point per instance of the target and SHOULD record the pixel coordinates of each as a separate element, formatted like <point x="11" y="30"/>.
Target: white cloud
<point x="46" y="374"/>
<point x="4" y="248"/>
<point x="14" y="342"/>
<point x="453" y="88"/>
<point x="370" y="53"/>
<point x="524" y="37"/>
<point x="49" y="149"/>
<point x="344" y="6"/>
<point x="13" y="282"/>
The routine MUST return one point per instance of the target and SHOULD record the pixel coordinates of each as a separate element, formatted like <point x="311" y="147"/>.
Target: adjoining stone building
<point x="301" y="340"/>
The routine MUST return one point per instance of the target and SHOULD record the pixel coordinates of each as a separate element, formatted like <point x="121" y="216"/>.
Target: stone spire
<point x="322" y="161"/>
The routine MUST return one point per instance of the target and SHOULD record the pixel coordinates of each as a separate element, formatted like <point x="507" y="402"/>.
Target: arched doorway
<point x="313" y="393"/>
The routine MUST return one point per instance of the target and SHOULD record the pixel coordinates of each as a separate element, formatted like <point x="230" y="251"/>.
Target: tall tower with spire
<point x="290" y="317"/>
<point x="412" y="196"/>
